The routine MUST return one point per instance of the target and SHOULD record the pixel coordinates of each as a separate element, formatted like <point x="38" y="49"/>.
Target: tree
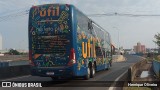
<point x="13" y="52"/>
<point x="157" y="41"/>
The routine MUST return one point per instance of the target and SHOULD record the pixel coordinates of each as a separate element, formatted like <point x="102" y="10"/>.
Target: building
<point x="139" y="48"/>
<point x="129" y="51"/>
<point x="1" y="42"/>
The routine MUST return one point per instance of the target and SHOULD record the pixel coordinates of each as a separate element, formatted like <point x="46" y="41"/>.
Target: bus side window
<point x="104" y="54"/>
<point x="108" y="54"/>
<point x="90" y="27"/>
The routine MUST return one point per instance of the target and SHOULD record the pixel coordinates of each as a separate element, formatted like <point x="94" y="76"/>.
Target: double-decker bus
<point x="63" y="42"/>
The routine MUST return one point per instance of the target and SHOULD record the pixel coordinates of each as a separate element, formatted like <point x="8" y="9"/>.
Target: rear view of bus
<point x="50" y="37"/>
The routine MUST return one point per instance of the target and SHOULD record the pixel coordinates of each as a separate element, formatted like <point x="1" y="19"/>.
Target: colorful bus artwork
<point x="63" y="42"/>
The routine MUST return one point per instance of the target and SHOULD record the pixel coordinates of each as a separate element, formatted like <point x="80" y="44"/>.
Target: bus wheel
<point x="86" y="77"/>
<point x="108" y="66"/>
<point x="92" y="71"/>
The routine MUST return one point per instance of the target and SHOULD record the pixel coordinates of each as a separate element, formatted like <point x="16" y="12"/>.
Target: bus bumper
<point x="52" y="71"/>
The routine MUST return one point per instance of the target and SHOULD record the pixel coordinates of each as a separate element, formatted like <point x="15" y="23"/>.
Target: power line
<point x="25" y="12"/>
<point x="124" y="14"/>
<point x="14" y="15"/>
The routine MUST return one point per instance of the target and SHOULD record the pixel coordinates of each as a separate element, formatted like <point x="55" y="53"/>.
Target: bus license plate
<point x="50" y="73"/>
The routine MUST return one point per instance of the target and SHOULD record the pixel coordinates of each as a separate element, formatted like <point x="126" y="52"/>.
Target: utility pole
<point x="118" y="43"/>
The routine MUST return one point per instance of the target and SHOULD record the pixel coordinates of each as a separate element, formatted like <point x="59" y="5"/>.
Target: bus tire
<point x="87" y="76"/>
<point x="92" y="69"/>
<point x="108" y="66"/>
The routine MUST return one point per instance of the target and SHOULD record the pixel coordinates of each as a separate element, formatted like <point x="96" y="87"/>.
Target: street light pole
<point x="118" y="46"/>
<point x="118" y="43"/>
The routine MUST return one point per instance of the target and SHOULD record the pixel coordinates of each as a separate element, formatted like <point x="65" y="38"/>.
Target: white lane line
<point x="15" y="78"/>
<point x="117" y="79"/>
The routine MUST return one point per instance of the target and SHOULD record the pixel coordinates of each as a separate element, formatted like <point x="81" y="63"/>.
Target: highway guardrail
<point x="134" y="69"/>
<point x="9" y="68"/>
<point x="8" y="63"/>
<point x="156" y="68"/>
<point x="14" y="71"/>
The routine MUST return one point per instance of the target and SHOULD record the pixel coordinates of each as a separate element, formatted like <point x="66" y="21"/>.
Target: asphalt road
<point x="117" y="70"/>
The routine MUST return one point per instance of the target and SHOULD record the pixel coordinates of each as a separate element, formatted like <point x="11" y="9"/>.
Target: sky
<point x="125" y="31"/>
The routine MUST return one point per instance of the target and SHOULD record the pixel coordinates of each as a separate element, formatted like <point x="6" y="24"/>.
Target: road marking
<point x="16" y="78"/>
<point x="117" y="79"/>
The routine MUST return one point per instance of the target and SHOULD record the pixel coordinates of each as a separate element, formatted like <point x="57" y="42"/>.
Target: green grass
<point x="157" y="58"/>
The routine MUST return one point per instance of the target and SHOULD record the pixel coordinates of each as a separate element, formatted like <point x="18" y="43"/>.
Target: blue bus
<point x="64" y="43"/>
